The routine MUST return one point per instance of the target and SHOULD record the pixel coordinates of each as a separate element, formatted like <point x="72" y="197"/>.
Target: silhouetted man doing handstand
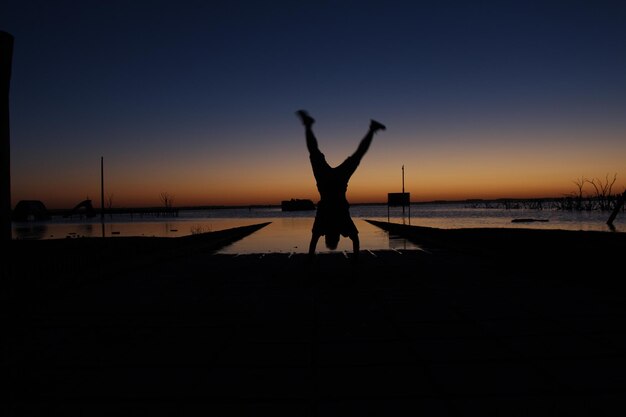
<point x="333" y="215"/>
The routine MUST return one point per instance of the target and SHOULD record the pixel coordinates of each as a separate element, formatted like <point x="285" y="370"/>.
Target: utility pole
<point x="6" y="57"/>
<point x="403" y="193"/>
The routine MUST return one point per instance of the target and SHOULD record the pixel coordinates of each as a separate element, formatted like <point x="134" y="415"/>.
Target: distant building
<point x="83" y="208"/>
<point x="297" y="205"/>
<point x="29" y="210"/>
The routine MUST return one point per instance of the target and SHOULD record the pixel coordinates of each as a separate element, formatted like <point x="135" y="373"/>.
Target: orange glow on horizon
<point x="359" y="192"/>
<point x="480" y="167"/>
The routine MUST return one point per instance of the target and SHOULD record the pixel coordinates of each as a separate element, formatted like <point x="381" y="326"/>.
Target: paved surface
<point x="399" y="333"/>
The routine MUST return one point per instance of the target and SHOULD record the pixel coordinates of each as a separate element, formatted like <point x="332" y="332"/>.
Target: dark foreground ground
<point x="483" y="322"/>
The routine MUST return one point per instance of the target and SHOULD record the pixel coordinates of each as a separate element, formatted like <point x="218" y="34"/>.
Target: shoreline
<point x="470" y="201"/>
<point x="41" y="259"/>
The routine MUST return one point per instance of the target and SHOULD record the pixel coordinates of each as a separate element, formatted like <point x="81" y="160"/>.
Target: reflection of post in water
<point x="86" y="230"/>
<point x="397" y="242"/>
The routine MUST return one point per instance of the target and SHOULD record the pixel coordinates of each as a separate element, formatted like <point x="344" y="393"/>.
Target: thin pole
<point x="403" y="194"/>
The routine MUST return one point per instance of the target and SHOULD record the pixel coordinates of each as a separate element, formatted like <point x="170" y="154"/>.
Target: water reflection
<point x="287" y="235"/>
<point x="396" y="242"/>
<point x="176" y="228"/>
<point x="86" y="230"/>
<point x="30" y="231"/>
<point x="293" y="228"/>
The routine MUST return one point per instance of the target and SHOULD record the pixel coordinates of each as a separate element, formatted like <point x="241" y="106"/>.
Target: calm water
<point x="290" y="231"/>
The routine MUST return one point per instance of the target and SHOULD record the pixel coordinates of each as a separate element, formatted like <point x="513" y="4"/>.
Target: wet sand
<point x="480" y="322"/>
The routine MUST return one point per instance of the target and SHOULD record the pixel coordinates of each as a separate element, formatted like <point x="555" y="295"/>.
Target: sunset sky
<point x="197" y="98"/>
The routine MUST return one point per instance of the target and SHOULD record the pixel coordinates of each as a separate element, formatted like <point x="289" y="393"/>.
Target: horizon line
<point x="278" y="205"/>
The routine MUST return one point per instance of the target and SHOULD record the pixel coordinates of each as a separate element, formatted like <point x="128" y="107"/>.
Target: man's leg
<point x="307" y="121"/>
<point x="367" y="140"/>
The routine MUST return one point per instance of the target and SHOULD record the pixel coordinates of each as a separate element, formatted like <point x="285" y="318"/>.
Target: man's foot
<point x="305" y="118"/>
<point x="375" y="126"/>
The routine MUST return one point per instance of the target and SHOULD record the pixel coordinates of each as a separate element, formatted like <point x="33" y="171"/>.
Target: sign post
<point x="399" y="199"/>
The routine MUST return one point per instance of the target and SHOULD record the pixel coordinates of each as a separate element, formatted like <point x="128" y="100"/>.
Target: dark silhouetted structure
<point x="618" y="206"/>
<point x="333" y="215"/>
<point x="399" y="200"/>
<point x="6" y="55"/>
<point x="27" y="210"/>
<point x="84" y="207"/>
<point x="297" y="205"/>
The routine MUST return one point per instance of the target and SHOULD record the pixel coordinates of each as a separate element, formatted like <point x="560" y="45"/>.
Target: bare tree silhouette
<point x="167" y="200"/>
<point x="603" y="190"/>
<point x="578" y="196"/>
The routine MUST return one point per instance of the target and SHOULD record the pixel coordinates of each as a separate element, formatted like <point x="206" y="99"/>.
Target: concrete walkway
<point x="399" y="333"/>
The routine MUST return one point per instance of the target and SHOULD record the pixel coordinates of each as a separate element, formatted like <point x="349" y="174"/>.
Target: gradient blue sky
<point x="197" y="98"/>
